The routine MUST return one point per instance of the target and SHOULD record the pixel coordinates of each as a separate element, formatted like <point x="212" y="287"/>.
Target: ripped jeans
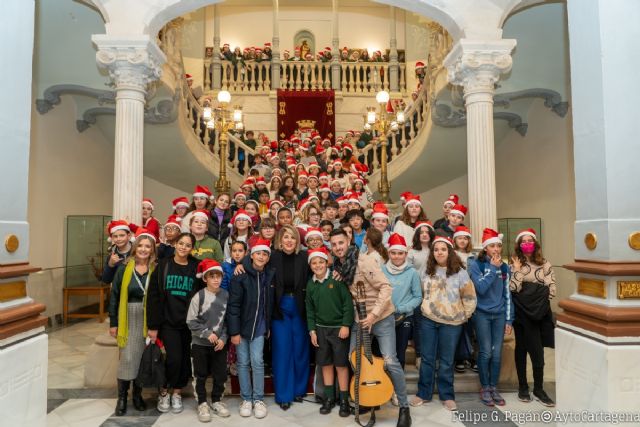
<point x="385" y="332"/>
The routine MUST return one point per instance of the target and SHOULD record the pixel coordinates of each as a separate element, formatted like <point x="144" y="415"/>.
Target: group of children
<point x="219" y="280"/>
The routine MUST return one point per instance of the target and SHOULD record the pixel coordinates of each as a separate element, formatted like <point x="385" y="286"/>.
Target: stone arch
<point x="305" y="37"/>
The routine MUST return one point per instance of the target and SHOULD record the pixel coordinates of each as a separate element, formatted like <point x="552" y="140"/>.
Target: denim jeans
<point x="437" y="339"/>
<point x="403" y="334"/>
<point x="250" y="353"/>
<point x="385" y="332"/>
<point x="490" y="334"/>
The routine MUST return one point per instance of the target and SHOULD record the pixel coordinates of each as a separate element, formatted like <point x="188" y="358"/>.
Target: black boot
<point x="404" y="418"/>
<point x="345" y="408"/>
<point x="327" y="406"/>
<point x="136" y="398"/>
<point x="123" y="390"/>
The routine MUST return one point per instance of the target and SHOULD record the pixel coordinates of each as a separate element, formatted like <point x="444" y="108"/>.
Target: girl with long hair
<point x="241" y="230"/>
<point x="221" y="214"/>
<point x="533" y="285"/>
<point x="449" y="301"/>
<point x="199" y="201"/>
<point x="413" y="212"/>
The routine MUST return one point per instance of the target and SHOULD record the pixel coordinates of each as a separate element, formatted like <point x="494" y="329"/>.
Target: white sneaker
<point x="259" y="409"/>
<point x="394" y="400"/>
<point x="164" y="402"/>
<point x="176" y="403"/>
<point x="220" y="409"/>
<point x="204" y="415"/>
<point x="245" y="408"/>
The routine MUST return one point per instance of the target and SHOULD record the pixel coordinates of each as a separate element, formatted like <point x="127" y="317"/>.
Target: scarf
<point x="123" y="321"/>
<point x="219" y="213"/>
<point x="392" y="269"/>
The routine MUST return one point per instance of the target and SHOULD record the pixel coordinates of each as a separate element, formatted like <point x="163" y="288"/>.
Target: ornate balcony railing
<point x="354" y="78"/>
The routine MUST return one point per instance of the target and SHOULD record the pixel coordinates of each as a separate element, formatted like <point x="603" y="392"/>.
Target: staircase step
<point x="467" y="382"/>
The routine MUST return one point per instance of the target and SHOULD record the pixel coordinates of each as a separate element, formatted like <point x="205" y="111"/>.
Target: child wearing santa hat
<point x="205" y="245"/>
<point x="413" y="212"/>
<point x="451" y="201"/>
<point x="206" y="321"/>
<point x="172" y="231"/>
<point x="120" y="238"/>
<point x="454" y="219"/>
<point x="241" y="229"/>
<point x="494" y="313"/>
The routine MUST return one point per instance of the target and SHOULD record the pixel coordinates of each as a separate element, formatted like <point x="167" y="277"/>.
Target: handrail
<point x="241" y="144"/>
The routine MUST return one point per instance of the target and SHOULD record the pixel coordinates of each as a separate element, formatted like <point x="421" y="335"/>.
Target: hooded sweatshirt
<point x="492" y="288"/>
<point x="406" y="285"/>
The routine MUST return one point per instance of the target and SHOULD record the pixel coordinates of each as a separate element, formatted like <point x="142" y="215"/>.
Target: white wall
<point x="70" y="173"/>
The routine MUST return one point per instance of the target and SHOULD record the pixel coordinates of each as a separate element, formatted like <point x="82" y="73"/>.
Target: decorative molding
<point x="52" y="94"/>
<point x="552" y="99"/>
<point x="446" y="116"/>
<point x="131" y="63"/>
<point x="477" y="65"/>
<point x="165" y="111"/>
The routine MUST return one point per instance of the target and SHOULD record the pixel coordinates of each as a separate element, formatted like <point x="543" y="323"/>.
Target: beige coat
<point x="377" y="287"/>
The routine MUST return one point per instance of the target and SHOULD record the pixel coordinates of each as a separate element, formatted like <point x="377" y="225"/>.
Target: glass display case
<point x="510" y="227"/>
<point x="86" y="249"/>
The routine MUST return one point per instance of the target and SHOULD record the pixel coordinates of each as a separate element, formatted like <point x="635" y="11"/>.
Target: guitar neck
<point x="366" y="337"/>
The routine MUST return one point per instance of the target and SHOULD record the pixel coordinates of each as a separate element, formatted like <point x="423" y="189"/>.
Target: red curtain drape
<point x="296" y="105"/>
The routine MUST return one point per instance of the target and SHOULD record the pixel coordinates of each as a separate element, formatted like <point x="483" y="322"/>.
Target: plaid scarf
<point x="347" y="269"/>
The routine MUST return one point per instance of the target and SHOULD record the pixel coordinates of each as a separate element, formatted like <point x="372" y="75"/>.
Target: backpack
<point x="152" y="369"/>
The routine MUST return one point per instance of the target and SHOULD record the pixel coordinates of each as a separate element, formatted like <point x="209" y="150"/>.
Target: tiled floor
<point x="72" y="405"/>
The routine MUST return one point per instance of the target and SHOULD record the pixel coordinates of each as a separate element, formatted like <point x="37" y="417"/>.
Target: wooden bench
<point x="99" y="291"/>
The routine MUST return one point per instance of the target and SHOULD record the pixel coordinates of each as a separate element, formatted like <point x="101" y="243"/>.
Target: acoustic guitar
<point x="371" y="385"/>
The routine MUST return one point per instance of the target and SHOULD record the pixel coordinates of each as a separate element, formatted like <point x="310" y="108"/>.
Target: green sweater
<point x="328" y="303"/>
<point x="208" y="248"/>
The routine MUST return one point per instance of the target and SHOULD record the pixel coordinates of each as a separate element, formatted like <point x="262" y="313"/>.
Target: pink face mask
<point x="528" y="247"/>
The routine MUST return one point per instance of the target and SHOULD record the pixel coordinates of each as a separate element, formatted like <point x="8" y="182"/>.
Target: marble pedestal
<point x="23" y="382"/>
<point x="595" y="375"/>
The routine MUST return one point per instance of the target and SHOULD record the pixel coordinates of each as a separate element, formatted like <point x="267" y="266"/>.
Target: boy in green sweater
<point x="329" y="319"/>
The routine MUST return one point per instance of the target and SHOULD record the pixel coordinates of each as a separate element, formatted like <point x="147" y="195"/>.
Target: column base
<point x="594" y="375"/>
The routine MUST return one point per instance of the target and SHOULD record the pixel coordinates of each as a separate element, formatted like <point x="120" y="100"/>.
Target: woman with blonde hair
<point x="289" y="337"/>
<point x="127" y="315"/>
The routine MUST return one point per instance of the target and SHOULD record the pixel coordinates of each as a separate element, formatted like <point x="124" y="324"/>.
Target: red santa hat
<point x="315" y="134"/>
<point x="261" y="181"/>
<point x="275" y="202"/>
<point x="354" y="197"/>
<point x="287" y="52"/>
<point x="337" y="162"/>
<point x="419" y="64"/>
<point x="358" y="178"/>
<point x="319" y="149"/>
<point x="267" y="44"/>
<point x="297" y="48"/>
<point x="261" y="245"/>
<point x="118" y="224"/>
<point x="247" y="183"/>
<point x="207" y="265"/>
<point x="180" y="202"/>
<point x="451" y="200"/>
<point x="188" y="76"/>
<point x="313" y="164"/>
<point x="323" y="177"/>
<point x="173" y="220"/>
<point x="444" y="239"/>
<point x="321" y="252"/>
<point x="347" y="147"/>
<point x="380" y="211"/>
<point x="412" y="199"/>
<point x="490" y="236"/>
<point x="344" y="49"/>
<point x="239" y="194"/>
<point x="314" y="177"/>
<point x="397" y="243"/>
<point x="461" y="230"/>
<point x="143" y="232"/>
<point x="240" y="214"/>
<point x="202" y="191"/>
<point x="527" y="232"/>
<point x="325" y="187"/>
<point x="303" y="174"/>
<point x="459" y="210"/>
<point x="423" y="224"/>
<point x="303" y="204"/>
<point x="148" y="202"/>
<point x="313" y="232"/>
<point x="403" y="196"/>
<point x="201" y="213"/>
<point x="327" y="49"/>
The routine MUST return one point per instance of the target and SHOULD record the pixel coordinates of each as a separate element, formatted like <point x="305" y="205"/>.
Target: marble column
<point x="476" y="65"/>
<point x="216" y="63"/>
<point x="275" y="47"/>
<point x="23" y="341"/>
<point x="132" y="63"/>
<point x="336" y="69"/>
<point x="598" y="332"/>
<point x="394" y="67"/>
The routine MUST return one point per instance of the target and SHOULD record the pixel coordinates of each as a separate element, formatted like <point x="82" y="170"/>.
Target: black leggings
<point x="177" y="343"/>
<point x="529" y="340"/>
<point x="208" y="362"/>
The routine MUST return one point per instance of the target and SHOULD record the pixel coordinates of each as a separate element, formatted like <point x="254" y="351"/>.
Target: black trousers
<point x="529" y="340"/>
<point x="208" y="362"/>
<point x="177" y="343"/>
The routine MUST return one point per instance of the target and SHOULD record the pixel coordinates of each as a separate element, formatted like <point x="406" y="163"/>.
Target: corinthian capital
<point x="132" y="62"/>
<point x="477" y="64"/>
